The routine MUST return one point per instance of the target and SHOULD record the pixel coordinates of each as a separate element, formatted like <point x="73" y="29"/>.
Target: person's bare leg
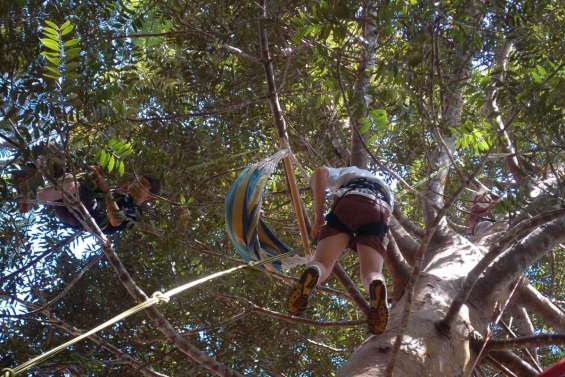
<point x="370" y="264"/>
<point x="327" y="253"/>
<point x="318" y="270"/>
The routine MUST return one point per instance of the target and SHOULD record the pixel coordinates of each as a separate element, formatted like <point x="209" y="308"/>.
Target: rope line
<point x="156" y="298"/>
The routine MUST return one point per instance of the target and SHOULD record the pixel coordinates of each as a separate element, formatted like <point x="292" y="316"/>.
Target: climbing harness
<point x="365" y="187"/>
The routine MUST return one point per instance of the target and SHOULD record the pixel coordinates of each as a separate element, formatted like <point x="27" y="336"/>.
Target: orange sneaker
<point x="378" y="307"/>
<point x="299" y="294"/>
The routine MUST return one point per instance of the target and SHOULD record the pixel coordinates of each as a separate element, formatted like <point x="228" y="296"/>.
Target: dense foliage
<point x="177" y="89"/>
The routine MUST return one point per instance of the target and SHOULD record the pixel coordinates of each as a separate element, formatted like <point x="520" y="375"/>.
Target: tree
<point x="448" y="100"/>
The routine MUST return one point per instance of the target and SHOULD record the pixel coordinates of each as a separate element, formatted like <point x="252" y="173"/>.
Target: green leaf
<point x="373" y="138"/>
<point x="51" y="76"/>
<point x="104" y="157"/>
<point x="542" y="72"/>
<point x="121" y="168"/>
<point x="50" y="44"/>
<point x="365" y="125"/>
<point x="71" y="66"/>
<point x="111" y="163"/>
<point x="67" y="30"/>
<point x="72" y="53"/>
<point x="49" y="53"/>
<point x="50" y="32"/>
<point x="55" y="70"/>
<point x="379" y="117"/>
<point x="67" y="24"/>
<point x="71" y="42"/>
<point x="536" y="77"/>
<point x="52" y="59"/>
<point x="52" y="24"/>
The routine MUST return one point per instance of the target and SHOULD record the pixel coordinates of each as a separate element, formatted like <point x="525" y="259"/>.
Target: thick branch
<point x="398" y="268"/>
<point x="280" y="125"/>
<point x="501" y="54"/>
<point x="517" y="260"/>
<point x="527" y="341"/>
<point x="514" y="363"/>
<point x="542" y="306"/>
<point x="407" y="244"/>
<point x="361" y="89"/>
<point x="494" y="251"/>
<point x="413" y="229"/>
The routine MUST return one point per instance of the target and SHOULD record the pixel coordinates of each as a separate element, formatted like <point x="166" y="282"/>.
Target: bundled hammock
<point x="250" y="235"/>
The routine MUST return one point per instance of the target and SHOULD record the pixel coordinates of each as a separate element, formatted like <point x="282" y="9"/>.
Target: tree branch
<point x="542" y="340"/>
<point x="367" y="62"/>
<point x="551" y="314"/>
<point x="351" y="288"/>
<point x="293" y="319"/>
<point x="514" y="363"/>
<point x="501" y="54"/>
<point x="161" y="323"/>
<point x="495" y="250"/>
<point x="398" y="268"/>
<point x="407" y="244"/>
<point x="413" y="229"/>
<point x="69" y="286"/>
<point x="518" y="258"/>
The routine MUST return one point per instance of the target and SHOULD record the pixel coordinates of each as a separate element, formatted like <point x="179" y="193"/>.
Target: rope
<point x="156" y="298"/>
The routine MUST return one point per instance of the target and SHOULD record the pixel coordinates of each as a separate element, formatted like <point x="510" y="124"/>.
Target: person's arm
<point x="318" y="184"/>
<point x="100" y="180"/>
<point x="113" y="212"/>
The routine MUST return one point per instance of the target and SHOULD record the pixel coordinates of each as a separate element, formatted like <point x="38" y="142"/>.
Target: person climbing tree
<point x="359" y="216"/>
<point x="112" y="209"/>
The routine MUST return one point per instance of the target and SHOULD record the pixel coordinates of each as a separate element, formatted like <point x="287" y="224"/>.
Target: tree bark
<point x="360" y="104"/>
<point x="423" y="350"/>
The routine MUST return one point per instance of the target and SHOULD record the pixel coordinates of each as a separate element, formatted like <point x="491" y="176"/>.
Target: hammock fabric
<point x="250" y="235"/>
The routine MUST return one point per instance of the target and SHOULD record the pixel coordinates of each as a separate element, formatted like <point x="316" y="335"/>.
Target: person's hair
<point x="154" y="184"/>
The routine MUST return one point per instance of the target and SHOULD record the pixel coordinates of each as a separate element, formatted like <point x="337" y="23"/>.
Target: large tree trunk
<point x="424" y="351"/>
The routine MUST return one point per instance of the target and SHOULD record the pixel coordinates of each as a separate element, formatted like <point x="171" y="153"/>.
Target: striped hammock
<point x="250" y="235"/>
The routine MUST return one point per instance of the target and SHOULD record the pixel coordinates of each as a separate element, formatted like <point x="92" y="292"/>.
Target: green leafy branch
<point x="61" y="51"/>
<point x="112" y="155"/>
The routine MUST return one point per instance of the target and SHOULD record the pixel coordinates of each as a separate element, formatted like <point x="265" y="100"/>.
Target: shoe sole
<point x="298" y="298"/>
<point x="378" y="311"/>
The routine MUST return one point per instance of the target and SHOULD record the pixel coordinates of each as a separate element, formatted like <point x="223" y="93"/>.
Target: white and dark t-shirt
<point x="338" y="177"/>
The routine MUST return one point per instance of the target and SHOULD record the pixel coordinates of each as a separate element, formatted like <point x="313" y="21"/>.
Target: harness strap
<point x="369" y="229"/>
<point x="364" y="183"/>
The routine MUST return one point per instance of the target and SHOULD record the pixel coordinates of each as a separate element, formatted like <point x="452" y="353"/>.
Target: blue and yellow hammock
<point x="250" y="235"/>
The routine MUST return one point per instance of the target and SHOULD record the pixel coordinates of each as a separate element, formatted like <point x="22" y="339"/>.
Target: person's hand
<point x="96" y="168"/>
<point x="99" y="176"/>
<point x="315" y="231"/>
